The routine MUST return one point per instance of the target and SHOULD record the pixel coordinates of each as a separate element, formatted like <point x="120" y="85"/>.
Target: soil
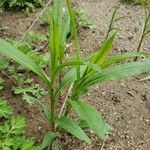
<point x="124" y="104"/>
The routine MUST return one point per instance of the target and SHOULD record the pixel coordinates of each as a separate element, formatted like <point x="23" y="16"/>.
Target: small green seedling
<point x="28" y="6"/>
<point x="145" y="30"/>
<point x="79" y="74"/>
<point x="29" y="92"/>
<point x="82" y="20"/>
<point x="12" y="130"/>
<point x="114" y="19"/>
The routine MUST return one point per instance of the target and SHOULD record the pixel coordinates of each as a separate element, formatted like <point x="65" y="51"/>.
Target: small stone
<point x="39" y="127"/>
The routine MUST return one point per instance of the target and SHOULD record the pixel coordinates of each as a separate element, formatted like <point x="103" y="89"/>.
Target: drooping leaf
<point x="93" y="118"/>
<point x="10" y="51"/>
<point x="73" y="128"/>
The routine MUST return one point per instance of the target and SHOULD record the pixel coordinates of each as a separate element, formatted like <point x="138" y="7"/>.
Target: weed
<point x="83" y="21"/>
<point x="145" y="30"/>
<point x="23" y="4"/>
<point x="114" y="19"/>
<point x="78" y="73"/>
<point x="29" y="93"/>
<point x="12" y="130"/>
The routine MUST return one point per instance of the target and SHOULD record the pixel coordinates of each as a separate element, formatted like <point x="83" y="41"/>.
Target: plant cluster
<point x="82" y="20"/>
<point x="28" y="5"/>
<point x="12" y="130"/>
<point x="77" y="73"/>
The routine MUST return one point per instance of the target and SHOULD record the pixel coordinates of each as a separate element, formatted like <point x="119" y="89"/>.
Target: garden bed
<point x="124" y="104"/>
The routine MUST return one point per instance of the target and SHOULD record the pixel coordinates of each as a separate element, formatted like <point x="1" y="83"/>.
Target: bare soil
<point x="124" y="104"/>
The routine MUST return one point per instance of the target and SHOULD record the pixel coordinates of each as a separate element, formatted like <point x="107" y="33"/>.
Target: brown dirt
<point x="124" y="104"/>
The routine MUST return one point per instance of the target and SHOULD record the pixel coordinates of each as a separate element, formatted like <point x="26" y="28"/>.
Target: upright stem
<point x="52" y="106"/>
<point x="143" y="34"/>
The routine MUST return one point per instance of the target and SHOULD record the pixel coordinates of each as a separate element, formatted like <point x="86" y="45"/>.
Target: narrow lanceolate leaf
<point x="65" y="29"/>
<point x="93" y="118"/>
<point x="99" y="57"/>
<point x="10" y="51"/>
<point x="122" y="57"/>
<point x="48" y="139"/>
<point x="118" y="72"/>
<point x="73" y="128"/>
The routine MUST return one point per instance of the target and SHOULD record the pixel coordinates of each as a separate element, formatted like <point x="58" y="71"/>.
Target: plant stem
<point x="143" y="33"/>
<point x="52" y="106"/>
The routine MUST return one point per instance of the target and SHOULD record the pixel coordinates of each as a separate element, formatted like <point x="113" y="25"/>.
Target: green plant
<point x="12" y="130"/>
<point x="77" y="73"/>
<point x="29" y="92"/>
<point x="82" y="20"/>
<point x="5" y="110"/>
<point x="114" y="19"/>
<point x="28" y="5"/>
<point x="33" y="47"/>
<point x="145" y="30"/>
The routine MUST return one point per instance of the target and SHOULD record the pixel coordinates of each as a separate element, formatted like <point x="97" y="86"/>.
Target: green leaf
<point x="45" y="109"/>
<point x="55" y="145"/>
<point x="73" y="128"/>
<point x="28" y="145"/>
<point x="65" y="29"/>
<point x="92" y="117"/>
<point x="5" y="110"/>
<point x="3" y="64"/>
<point x="48" y="139"/>
<point x="10" y="51"/>
<point x="17" y="125"/>
<point x="99" y="57"/>
<point x="71" y="75"/>
<point x="122" y="57"/>
<point x="69" y="78"/>
<point x="119" y="72"/>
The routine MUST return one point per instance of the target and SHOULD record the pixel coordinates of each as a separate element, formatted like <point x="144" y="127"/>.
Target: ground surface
<point x="124" y="104"/>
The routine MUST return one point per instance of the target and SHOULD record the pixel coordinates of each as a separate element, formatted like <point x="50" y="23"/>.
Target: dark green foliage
<point x="12" y="131"/>
<point x="28" y="5"/>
